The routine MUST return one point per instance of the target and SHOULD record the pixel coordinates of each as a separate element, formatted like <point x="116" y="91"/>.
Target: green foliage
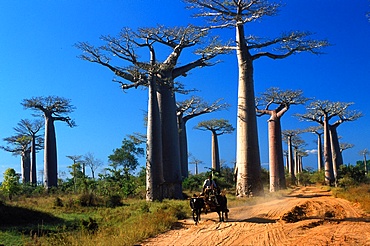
<point x="194" y="182"/>
<point x="318" y="177"/>
<point x="349" y="175"/>
<point x="304" y="178"/>
<point x="10" y="185"/>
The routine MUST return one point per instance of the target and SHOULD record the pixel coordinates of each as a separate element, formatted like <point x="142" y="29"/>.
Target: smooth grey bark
<point x="328" y="161"/>
<point x="183" y="140"/>
<point x="154" y="162"/>
<point x="50" y="153"/>
<point x="215" y="153"/>
<point x="172" y="187"/>
<point x="319" y="153"/>
<point x="26" y="166"/>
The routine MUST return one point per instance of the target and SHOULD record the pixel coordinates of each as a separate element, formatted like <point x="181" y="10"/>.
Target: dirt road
<point x="308" y="216"/>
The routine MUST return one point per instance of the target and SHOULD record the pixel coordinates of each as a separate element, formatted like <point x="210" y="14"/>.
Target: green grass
<point x="42" y="221"/>
<point x="31" y="221"/>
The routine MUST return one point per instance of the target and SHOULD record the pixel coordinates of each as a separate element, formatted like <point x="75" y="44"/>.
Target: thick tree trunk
<point x="154" y="161"/>
<point x="50" y="154"/>
<point x="215" y="153"/>
<point x="247" y="156"/>
<point x="26" y="166"/>
<point x="276" y="158"/>
<point x="335" y="150"/>
<point x="291" y="160"/>
<point x="183" y="147"/>
<point x="365" y="164"/>
<point x="328" y="162"/>
<point x="319" y="153"/>
<point x="170" y="143"/>
<point x="33" y="162"/>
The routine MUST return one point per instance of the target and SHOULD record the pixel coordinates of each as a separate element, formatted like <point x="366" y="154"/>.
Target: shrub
<point x="88" y="200"/>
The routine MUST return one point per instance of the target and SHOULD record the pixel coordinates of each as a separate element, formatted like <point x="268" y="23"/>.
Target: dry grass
<point x="359" y="194"/>
<point x="75" y="225"/>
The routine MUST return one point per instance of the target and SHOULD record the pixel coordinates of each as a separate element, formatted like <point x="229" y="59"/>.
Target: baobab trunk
<point x="26" y="164"/>
<point x="247" y="156"/>
<point x="328" y="162"/>
<point x="172" y="187"/>
<point x="50" y="154"/>
<point x="183" y="147"/>
<point x="33" y="162"/>
<point x="291" y="160"/>
<point x="154" y="163"/>
<point x="335" y="150"/>
<point x="276" y="158"/>
<point x="215" y="153"/>
<point x="319" y="153"/>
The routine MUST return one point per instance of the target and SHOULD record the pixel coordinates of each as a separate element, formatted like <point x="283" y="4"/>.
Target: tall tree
<point x="217" y="127"/>
<point x="236" y="14"/>
<point x="289" y="137"/>
<point x="162" y="145"/>
<point x="186" y="110"/>
<point x="318" y="130"/>
<point x="322" y="112"/>
<point x="283" y="100"/>
<point x="54" y="109"/>
<point x="21" y="146"/>
<point x="31" y="128"/>
<point x="364" y="153"/>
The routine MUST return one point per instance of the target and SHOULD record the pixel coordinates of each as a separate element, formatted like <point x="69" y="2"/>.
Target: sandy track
<point x="315" y="218"/>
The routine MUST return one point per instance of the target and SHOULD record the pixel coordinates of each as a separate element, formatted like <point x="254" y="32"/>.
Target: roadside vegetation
<point x="85" y="215"/>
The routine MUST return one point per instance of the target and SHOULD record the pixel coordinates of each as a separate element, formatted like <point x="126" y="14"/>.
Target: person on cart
<point x="210" y="189"/>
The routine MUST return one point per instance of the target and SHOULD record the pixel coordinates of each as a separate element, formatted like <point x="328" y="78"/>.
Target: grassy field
<point x="61" y="220"/>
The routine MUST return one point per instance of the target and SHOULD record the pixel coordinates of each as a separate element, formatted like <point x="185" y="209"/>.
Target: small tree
<point x="91" y="161"/>
<point x="31" y="128"/>
<point x="53" y="109"/>
<point x="217" y="127"/>
<point x="21" y="146"/>
<point x="124" y="161"/>
<point x="10" y="185"/>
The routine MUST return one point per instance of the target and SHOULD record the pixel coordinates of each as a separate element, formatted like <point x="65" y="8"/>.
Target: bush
<point x="113" y="201"/>
<point x="88" y="200"/>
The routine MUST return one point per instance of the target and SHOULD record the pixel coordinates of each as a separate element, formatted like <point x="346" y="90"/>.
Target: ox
<point x="216" y="203"/>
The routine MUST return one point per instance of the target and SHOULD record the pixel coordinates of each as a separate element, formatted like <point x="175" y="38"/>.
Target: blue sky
<point x="38" y="58"/>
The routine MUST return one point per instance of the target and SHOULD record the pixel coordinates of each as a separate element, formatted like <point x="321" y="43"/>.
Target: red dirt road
<point x="307" y="216"/>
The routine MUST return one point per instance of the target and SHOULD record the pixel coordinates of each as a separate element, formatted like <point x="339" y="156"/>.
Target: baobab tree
<point x="162" y="145"/>
<point x="217" y="127"/>
<point x="283" y="100"/>
<point x="322" y="112"/>
<point x="31" y="128"/>
<point x="318" y="130"/>
<point x="289" y="137"/>
<point x="54" y="108"/>
<point x="21" y="145"/>
<point x="196" y="162"/>
<point x="249" y="48"/>
<point x="364" y="153"/>
<point x="189" y="109"/>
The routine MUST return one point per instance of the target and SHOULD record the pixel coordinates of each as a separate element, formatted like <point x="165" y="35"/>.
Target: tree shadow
<point x="257" y="220"/>
<point x="13" y="216"/>
<point x="308" y="195"/>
